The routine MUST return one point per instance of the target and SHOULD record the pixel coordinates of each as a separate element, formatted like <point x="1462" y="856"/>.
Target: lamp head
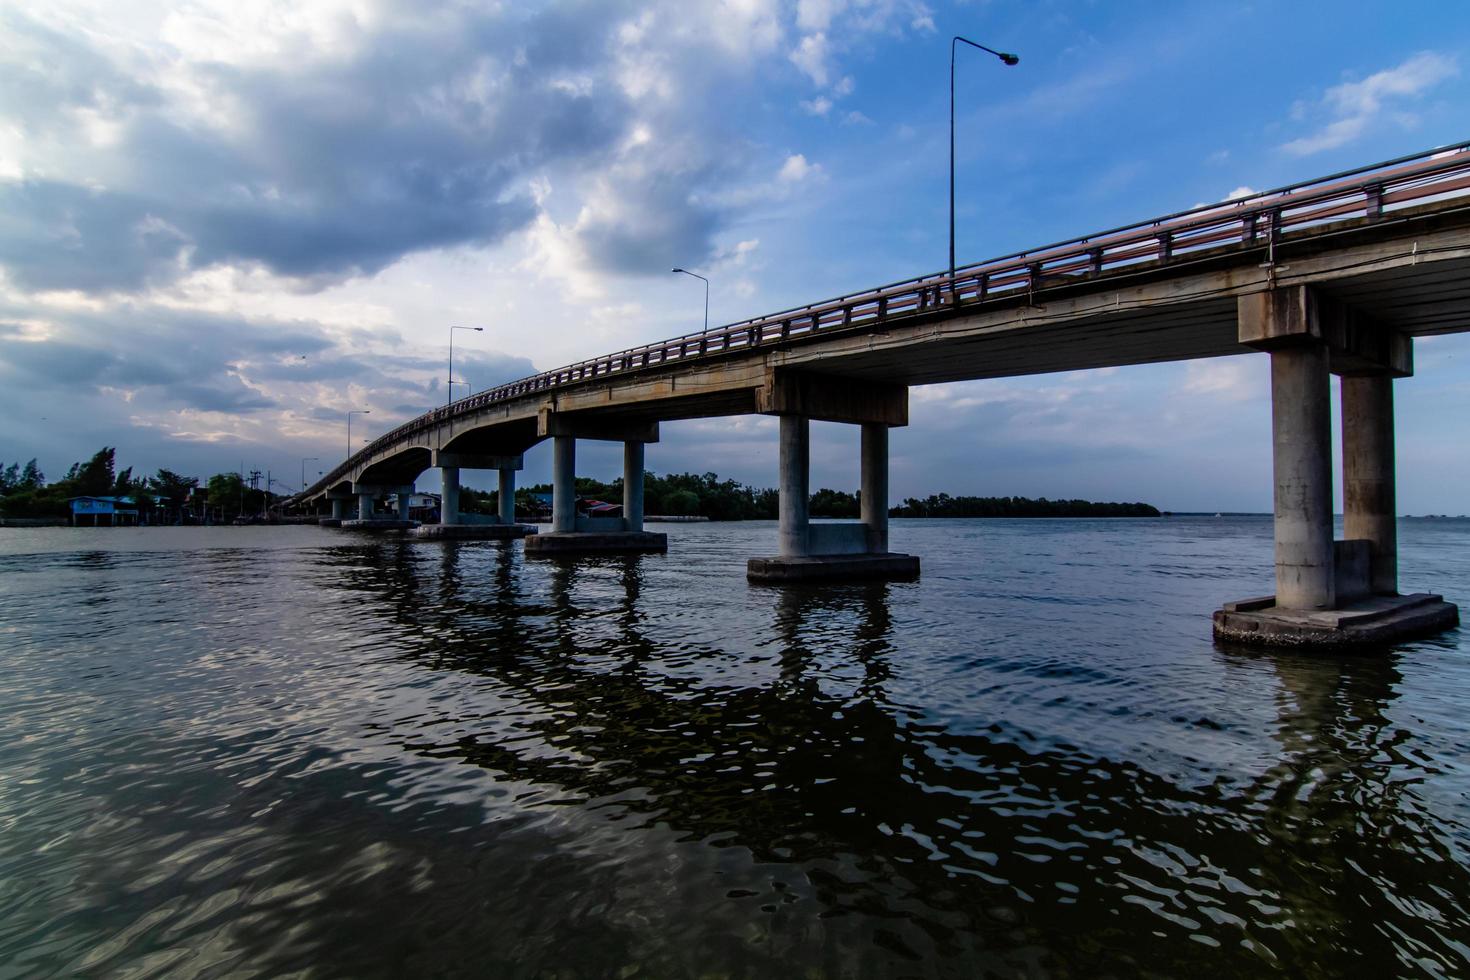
<point x="676" y="270"/>
<point x="1009" y="59"/>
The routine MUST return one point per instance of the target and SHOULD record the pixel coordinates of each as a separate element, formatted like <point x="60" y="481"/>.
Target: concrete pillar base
<point x="589" y="542"/>
<point x="379" y="524"/>
<point x="474" y="532"/>
<point x="329" y="522"/>
<point x="833" y="568"/>
<point x="1369" y="621"/>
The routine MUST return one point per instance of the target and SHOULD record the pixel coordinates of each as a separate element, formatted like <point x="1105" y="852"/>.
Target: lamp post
<point x="706" y="294"/>
<point x="311" y="459"/>
<point x="451" y="358"/>
<point x="355" y="411"/>
<point x="1008" y="59"/>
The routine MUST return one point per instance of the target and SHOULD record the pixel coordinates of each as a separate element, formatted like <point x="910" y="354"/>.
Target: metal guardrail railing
<point x="1262" y="219"/>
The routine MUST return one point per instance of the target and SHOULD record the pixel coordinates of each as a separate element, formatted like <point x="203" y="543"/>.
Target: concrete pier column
<point x="1301" y="425"/>
<point x="405" y="501"/>
<point x="874" y="496"/>
<point x="1368" y="475"/>
<point x="449" y="495"/>
<point x="364" y="506"/>
<point x="563" y="484"/>
<point x="339" y="508"/>
<point x="796" y="438"/>
<point x="507" y="495"/>
<point x="633" y="485"/>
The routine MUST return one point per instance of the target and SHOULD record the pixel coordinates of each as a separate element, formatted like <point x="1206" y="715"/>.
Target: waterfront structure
<point x="103" y="512"/>
<point x="1335" y="276"/>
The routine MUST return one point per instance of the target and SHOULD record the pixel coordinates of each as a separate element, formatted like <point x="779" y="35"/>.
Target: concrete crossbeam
<point x="832" y="399"/>
<point x="478" y="461"/>
<point x="1292" y="315"/>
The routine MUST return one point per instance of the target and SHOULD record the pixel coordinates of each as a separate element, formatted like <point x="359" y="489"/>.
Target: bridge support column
<point x="1368" y="476"/>
<point x="563" y="485"/>
<point x="795" y="491"/>
<point x="874" y="493"/>
<point x="364" y="506"/>
<point x="449" y="495"/>
<point x="339" y="508"/>
<point x="828" y="551"/>
<point x="633" y="486"/>
<point x="405" y="502"/>
<point x="1330" y="593"/>
<point x="507" y="495"/>
<point x="1301" y="431"/>
<point x="571" y="534"/>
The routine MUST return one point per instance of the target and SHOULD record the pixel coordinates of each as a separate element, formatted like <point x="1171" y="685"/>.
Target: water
<point x="256" y="751"/>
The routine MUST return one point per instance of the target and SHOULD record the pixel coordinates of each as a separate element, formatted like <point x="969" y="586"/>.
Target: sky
<point x="223" y="225"/>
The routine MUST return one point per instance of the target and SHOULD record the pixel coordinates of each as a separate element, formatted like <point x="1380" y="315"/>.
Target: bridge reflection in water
<point x="587" y="795"/>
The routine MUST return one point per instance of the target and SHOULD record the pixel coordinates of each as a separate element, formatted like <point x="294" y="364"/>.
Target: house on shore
<point x="103" y="512"/>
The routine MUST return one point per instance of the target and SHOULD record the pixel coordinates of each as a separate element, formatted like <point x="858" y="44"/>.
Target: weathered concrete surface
<point x="1369" y="621"/>
<point x="795" y="491"/>
<point x="329" y="521"/>
<point x="582" y="542"/>
<point x="474" y="532"/>
<point x="1369" y="507"/>
<point x="833" y="568"/>
<point x="1301" y="463"/>
<point x="378" y="524"/>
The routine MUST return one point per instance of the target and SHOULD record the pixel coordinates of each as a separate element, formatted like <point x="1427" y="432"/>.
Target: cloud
<point x="796" y="168"/>
<point x="819" y="106"/>
<point x="810" y="55"/>
<point x="1352" y="108"/>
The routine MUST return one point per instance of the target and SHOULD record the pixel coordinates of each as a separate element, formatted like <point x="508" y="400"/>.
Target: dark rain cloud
<point x="424" y="138"/>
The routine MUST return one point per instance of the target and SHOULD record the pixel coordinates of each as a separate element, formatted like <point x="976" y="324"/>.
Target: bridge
<point x="1334" y="276"/>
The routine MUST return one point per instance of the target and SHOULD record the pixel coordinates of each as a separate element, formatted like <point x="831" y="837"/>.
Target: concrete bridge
<point x="1335" y="276"/>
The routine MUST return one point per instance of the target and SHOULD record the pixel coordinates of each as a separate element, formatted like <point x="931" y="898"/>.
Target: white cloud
<point x="796" y="168"/>
<point x="1231" y="379"/>
<point x="810" y="56"/>
<point x="1241" y="192"/>
<point x="819" y="106"/>
<point x="1352" y="107"/>
<point x="855" y="118"/>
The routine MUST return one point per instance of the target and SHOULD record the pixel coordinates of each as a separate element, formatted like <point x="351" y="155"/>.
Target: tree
<point x="96" y="477"/>
<point x="173" y="487"/>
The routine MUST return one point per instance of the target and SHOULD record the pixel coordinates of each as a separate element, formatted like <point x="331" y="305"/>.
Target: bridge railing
<point x="1258" y="220"/>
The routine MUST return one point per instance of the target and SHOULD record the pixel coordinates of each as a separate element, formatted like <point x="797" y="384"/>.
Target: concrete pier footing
<point x="588" y="542"/>
<point x="829" y="568"/>
<point x="474" y="532"/>
<point x="1369" y="621"/>
<point x="378" y="524"/>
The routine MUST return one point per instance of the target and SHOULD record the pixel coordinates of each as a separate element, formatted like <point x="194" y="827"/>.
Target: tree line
<point x="166" y="495"/>
<point x="706" y="495"/>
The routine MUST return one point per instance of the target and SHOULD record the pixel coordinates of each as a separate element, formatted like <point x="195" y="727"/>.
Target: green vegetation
<point x="943" y="505"/>
<point x="706" y="495"/>
<point x="165" y="497"/>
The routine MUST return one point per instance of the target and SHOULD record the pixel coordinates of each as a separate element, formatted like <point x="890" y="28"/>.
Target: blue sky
<point x="222" y="225"/>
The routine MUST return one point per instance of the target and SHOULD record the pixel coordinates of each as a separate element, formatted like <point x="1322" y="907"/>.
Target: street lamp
<point x="451" y="358"/>
<point x="706" y="294"/>
<point x="1008" y="59"/>
<point x="355" y="411"/>
<point x="312" y="459"/>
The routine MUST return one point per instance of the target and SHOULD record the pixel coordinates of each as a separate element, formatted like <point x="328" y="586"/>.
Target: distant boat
<point x="1218" y="514"/>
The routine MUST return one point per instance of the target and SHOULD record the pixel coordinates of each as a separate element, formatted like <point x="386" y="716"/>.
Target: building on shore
<point x="103" y="512"/>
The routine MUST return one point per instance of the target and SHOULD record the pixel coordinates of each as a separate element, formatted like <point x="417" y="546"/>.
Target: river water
<point x="253" y="751"/>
